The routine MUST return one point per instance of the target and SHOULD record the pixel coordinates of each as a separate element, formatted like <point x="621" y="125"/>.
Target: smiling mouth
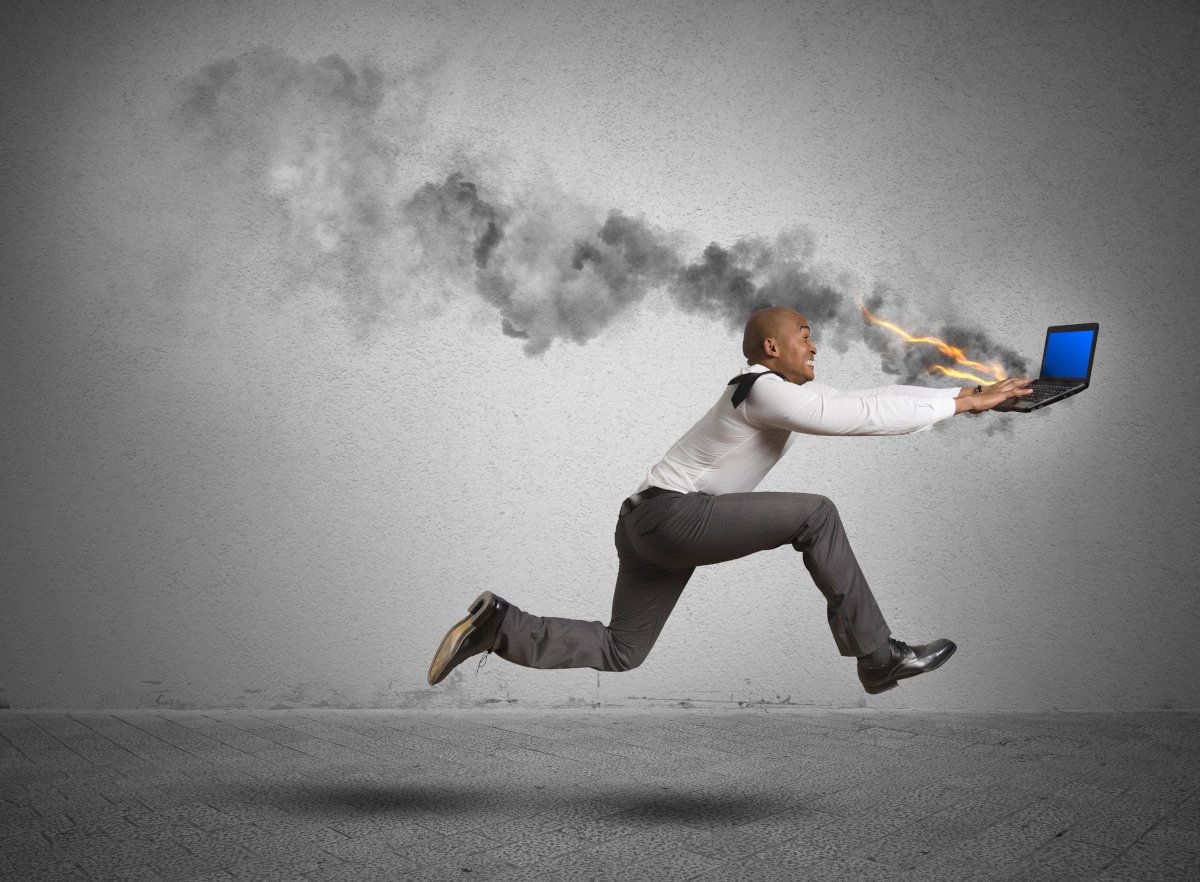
<point x="809" y="363"/>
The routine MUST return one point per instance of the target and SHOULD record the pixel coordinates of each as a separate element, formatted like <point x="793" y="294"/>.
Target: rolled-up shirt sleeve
<point x="816" y="409"/>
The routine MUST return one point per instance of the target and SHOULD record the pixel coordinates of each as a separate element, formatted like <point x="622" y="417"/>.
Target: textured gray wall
<point x="276" y="407"/>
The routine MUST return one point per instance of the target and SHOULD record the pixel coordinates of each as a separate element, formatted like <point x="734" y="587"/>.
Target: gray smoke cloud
<point x="333" y="150"/>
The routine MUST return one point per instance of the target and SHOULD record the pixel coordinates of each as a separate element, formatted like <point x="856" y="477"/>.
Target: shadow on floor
<point x="648" y="804"/>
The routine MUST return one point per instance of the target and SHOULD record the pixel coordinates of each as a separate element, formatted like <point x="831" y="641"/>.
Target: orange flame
<point x="960" y="358"/>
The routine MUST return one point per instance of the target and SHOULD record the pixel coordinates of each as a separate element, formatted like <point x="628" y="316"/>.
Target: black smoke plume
<point x="337" y="154"/>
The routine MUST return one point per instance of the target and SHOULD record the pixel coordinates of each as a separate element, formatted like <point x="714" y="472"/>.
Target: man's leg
<point x="642" y="600"/>
<point x="644" y="596"/>
<point x="703" y="529"/>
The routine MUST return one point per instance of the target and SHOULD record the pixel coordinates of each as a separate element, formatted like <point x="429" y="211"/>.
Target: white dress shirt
<point x="730" y="450"/>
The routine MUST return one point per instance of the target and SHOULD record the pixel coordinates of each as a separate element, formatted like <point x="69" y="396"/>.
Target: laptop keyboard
<point x="1042" y="391"/>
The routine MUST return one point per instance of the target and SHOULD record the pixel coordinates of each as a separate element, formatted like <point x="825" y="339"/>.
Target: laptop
<point x="1066" y="367"/>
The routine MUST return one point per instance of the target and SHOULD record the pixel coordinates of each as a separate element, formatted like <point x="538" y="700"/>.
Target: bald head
<point x="769" y="323"/>
<point x="781" y="339"/>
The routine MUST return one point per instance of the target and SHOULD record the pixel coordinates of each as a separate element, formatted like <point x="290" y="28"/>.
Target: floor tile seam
<point x="248" y="722"/>
<point x="380" y="739"/>
<point x="277" y="744"/>
<point x="170" y="725"/>
<point x="179" y="751"/>
<point x="567" y="754"/>
<point x="113" y="762"/>
<point x="1031" y="840"/>
<point x="278" y="722"/>
<point x="265" y="741"/>
<point x="434" y="744"/>
<point x="719" y="742"/>
<point x="54" y="738"/>
<point x="1031" y="860"/>
<point x="956" y="737"/>
<point x="318" y="719"/>
<point x="93" y="746"/>
<point x="116" y="743"/>
<point x="455" y="735"/>
<point x="16" y="848"/>
<point x="16" y="747"/>
<point x="204" y="722"/>
<point x="573" y="751"/>
<point x="521" y="734"/>
<point x="56" y="722"/>
<point x="17" y="815"/>
<point x="369" y="729"/>
<point x="217" y="725"/>
<point x="1027" y="848"/>
<point x="1160" y="822"/>
<point x="1120" y="852"/>
<point x="905" y="860"/>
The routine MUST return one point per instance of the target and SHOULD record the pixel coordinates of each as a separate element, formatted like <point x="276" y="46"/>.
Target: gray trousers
<point x="662" y="541"/>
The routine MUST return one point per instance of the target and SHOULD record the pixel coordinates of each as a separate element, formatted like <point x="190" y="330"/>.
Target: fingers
<point x="1004" y="390"/>
<point x="1015" y="385"/>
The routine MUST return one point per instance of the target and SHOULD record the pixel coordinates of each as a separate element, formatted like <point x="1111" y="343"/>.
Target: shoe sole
<point x="895" y="681"/>
<point x="454" y="638"/>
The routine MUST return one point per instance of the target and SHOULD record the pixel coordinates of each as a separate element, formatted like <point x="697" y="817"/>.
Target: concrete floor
<point x="621" y="795"/>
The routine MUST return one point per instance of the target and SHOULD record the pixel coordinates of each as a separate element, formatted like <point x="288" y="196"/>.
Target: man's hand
<point x="993" y="395"/>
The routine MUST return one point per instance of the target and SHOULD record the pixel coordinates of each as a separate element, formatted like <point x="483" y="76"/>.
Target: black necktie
<point x="744" y="382"/>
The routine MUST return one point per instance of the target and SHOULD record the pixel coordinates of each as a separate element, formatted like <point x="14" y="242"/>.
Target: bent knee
<point x="825" y="508"/>
<point x="622" y="663"/>
<point x="625" y="657"/>
<point x="822" y="518"/>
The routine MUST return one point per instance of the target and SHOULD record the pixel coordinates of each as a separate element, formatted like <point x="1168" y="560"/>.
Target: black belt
<point x="644" y="496"/>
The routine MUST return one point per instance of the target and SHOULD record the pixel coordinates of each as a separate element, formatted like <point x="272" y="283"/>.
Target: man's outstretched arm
<point x="991" y="396"/>
<point x="815" y="409"/>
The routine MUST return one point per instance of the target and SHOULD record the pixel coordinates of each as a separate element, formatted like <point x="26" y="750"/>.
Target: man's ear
<point x="770" y="347"/>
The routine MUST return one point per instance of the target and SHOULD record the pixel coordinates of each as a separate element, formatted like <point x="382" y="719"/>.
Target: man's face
<point x="796" y="351"/>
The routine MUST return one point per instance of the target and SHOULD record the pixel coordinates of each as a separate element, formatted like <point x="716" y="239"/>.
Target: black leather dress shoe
<point x="906" y="661"/>
<point x="471" y="636"/>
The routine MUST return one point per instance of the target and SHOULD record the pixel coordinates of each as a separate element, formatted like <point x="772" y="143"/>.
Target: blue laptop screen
<point x="1067" y="354"/>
